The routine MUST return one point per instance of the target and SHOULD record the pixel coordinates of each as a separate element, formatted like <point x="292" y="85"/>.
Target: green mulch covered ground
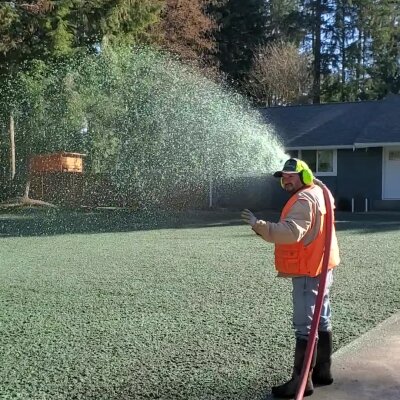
<point x="113" y="305"/>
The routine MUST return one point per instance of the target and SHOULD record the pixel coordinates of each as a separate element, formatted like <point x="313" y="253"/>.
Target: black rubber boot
<point x="288" y="389"/>
<point x="322" y="374"/>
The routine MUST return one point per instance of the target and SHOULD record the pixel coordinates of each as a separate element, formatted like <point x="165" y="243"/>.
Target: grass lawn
<point x="119" y="306"/>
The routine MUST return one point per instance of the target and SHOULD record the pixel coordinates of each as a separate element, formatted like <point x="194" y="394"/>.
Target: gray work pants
<point x="304" y="295"/>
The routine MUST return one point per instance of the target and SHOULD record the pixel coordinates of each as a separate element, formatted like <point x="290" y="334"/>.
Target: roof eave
<point x="329" y="147"/>
<point x="349" y="146"/>
<point x="383" y="144"/>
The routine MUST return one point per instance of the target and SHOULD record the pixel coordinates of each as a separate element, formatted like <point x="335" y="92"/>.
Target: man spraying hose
<point x="299" y="248"/>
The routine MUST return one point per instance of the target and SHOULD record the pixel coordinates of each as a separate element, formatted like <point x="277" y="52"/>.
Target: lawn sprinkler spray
<point x="321" y="290"/>
<point x="160" y="130"/>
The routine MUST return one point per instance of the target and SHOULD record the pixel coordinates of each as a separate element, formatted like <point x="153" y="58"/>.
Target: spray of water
<point x="155" y="125"/>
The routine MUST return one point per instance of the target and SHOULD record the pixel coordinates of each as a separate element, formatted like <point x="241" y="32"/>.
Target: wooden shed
<point x="56" y="162"/>
<point x="57" y="177"/>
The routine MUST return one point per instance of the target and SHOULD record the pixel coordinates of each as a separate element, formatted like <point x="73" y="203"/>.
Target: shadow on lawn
<point x="372" y="222"/>
<point x="39" y="222"/>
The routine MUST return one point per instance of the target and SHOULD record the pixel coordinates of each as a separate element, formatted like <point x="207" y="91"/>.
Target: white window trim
<point x="334" y="172"/>
<point x="385" y="154"/>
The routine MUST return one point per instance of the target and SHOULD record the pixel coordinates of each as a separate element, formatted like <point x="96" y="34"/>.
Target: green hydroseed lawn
<point x="117" y="306"/>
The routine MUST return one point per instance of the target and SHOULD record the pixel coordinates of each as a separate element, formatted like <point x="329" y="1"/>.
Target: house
<point x="353" y="147"/>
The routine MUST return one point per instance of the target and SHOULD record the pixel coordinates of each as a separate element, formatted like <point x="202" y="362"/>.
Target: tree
<point x="280" y="74"/>
<point x="284" y="21"/>
<point x="337" y="39"/>
<point x="242" y="29"/>
<point x="315" y="18"/>
<point x="363" y="50"/>
<point x="22" y="32"/>
<point x="354" y="44"/>
<point x="119" y="21"/>
<point x="385" y="45"/>
<point x="186" y="29"/>
<point x="45" y="30"/>
<point x="42" y="28"/>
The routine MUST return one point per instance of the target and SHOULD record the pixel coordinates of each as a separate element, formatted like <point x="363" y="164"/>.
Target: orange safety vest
<point x="300" y="259"/>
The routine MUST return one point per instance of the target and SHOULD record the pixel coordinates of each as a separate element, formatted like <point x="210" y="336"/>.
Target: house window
<point x="321" y="162"/>
<point x="293" y="153"/>
<point x="310" y="157"/>
<point x="394" y="155"/>
<point x="325" y="161"/>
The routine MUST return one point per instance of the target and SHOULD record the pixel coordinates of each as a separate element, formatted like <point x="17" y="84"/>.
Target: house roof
<point x="337" y="125"/>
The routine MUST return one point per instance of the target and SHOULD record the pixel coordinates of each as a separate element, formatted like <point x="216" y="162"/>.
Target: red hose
<point x="321" y="290"/>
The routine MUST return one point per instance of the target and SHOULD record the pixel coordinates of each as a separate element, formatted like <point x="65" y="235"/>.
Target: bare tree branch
<point x="280" y="75"/>
<point x="186" y="30"/>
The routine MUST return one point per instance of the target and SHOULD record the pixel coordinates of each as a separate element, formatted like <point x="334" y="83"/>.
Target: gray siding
<point x="359" y="176"/>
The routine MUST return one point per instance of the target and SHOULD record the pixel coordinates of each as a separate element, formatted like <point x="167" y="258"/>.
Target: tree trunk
<point x="343" y="51"/>
<point x="26" y="201"/>
<point x="12" y="148"/>
<point x="23" y="200"/>
<point x="317" y="53"/>
<point x="27" y="187"/>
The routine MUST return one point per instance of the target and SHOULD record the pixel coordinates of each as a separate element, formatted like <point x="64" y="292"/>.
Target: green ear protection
<point x="306" y="176"/>
<point x="305" y="173"/>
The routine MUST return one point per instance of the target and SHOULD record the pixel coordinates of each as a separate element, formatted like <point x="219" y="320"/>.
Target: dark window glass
<point x="293" y="153"/>
<point x="325" y="161"/>
<point x="310" y="157"/>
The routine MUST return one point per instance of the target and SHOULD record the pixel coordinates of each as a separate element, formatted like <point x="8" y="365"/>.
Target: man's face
<point x="291" y="182"/>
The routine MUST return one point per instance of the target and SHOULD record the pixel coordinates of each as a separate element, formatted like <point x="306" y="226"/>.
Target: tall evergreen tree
<point x="242" y="28"/>
<point x="354" y="44"/>
<point x="359" y="51"/>
<point x="284" y="21"/>
<point x="336" y="84"/>
<point x="39" y="29"/>
<point x="385" y="46"/>
<point x="316" y="21"/>
<point x="364" y="51"/>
